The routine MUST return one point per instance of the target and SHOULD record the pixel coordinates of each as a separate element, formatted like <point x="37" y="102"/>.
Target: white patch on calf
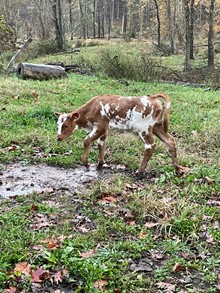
<point x="104" y="109"/>
<point x="91" y="134"/>
<point x="100" y="142"/>
<point x="62" y="118"/>
<point x="147" y="146"/>
<point x="140" y="123"/>
<point x="168" y="105"/>
<point x="144" y="100"/>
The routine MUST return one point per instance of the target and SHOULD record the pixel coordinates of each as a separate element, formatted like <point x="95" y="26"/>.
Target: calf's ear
<point x="74" y="116"/>
<point x="57" y="114"/>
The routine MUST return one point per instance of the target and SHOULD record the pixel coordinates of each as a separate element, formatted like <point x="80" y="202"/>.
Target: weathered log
<point x="39" y="71"/>
<point x="67" y="67"/>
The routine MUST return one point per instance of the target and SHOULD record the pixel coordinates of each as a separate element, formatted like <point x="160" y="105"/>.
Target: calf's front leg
<point x="101" y="146"/>
<point x="94" y="135"/>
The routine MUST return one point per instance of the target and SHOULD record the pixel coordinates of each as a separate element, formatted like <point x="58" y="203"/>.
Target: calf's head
<point x="67" y="124"/>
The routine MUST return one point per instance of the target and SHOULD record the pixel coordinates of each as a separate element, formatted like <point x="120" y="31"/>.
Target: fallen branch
<point x="10" y="64"/>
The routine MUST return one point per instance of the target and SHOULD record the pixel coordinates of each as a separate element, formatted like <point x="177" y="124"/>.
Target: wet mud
<point x="17" y="179"/>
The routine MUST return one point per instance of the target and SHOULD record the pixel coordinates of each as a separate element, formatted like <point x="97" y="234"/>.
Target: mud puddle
<point x="17" y="179"/>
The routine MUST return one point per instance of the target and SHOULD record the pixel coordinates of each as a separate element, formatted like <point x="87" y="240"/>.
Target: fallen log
<point x="39" y="71"/>
<point x="67" y="67"/>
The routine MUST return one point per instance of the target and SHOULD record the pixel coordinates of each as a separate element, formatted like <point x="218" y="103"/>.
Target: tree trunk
<point x="170" y="27"/>
<point x="187" y="41"/>
<point x="158" y="24"/>
<point x="148" y="13"/>
<point x="82" y="20"/>
<point x="211" y="35"/>
<point x="191" y="29"/>
<point x="57" y="19"/>
<point x="124" y="20"/>
<point x="129" y="20"/>
<point x="70" y="19"/>
<point x="109" y="17"/>
<point x="39" y="71"/>
<point x="94" y="18"/>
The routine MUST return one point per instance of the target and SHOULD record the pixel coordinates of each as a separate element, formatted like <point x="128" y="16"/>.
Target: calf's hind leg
<point x="169" y="140"/>
<point x="149" y="146"/>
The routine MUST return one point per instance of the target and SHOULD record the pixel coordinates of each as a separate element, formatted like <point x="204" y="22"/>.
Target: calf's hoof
<point x="181" y="170"/>
<point x="99" y="166"/>
<point x="86" y="164"/>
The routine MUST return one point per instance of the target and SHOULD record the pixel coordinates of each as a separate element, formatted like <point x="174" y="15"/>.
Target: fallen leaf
<point x="34" y="208"/>
<point x="38" y="247"/>
<point x="156" y="254"/>
<point x="194" y="132"/>
<point x="125" y="212"/>
<point x="83" y="229"/>
<point x="209" y="180"/>
<point x="178" y="268"/>
<point x="143" y="235"/>
<point x="23" y="267"/>
<point x="107" y="199"/>
<point x="58" y="277"/>
<point x="12" y="148"/>
<point x="87" y="254"/>
<point x="216" y="225"/>
<point x="53" y="244"/>
<point x="157" y="236"/>
<point x="204" y="217"/>
<point x="169" y="288"/>
<point x="40" y="222"/>
<point x="40" y="275"/>
<point x="35" y="94"/>
<point x="209" y="238"/>
<point x="151" y="225"/>
<point x="213" y="202"/>
<point x="100" y="285"/>
<point x="131" y="223"/>
<point x="11" y="289"/>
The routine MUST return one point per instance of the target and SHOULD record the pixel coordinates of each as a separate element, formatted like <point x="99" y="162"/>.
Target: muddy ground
<point x="18" y="179"/>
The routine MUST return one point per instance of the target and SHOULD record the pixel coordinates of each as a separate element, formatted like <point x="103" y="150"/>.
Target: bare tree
<point x="211" y="35"/>
<point x="82" y="19"/>
<point x="191" y="28"/>
<point x="158" y="24"/>
<point x="187" y="35"/>
<point x="170" y="27"/>
<point x="57" y="19"/>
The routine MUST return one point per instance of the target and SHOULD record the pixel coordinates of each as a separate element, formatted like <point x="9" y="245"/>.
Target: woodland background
<point x="174" y="26"/>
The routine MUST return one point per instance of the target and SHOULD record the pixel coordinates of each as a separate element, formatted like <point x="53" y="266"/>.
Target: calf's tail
<point x="166" y="111"/>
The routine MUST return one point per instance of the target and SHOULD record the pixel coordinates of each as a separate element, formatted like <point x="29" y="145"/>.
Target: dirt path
<point x="17" y="179"/>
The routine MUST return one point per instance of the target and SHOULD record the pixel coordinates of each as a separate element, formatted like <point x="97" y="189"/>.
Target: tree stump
<point x="39" y="71"/>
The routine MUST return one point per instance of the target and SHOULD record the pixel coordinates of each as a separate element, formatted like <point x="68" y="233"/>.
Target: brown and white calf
<point x="144" y="114"/>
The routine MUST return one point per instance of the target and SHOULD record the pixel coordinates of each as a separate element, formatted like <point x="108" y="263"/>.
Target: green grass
<point x="130" y="254"/>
